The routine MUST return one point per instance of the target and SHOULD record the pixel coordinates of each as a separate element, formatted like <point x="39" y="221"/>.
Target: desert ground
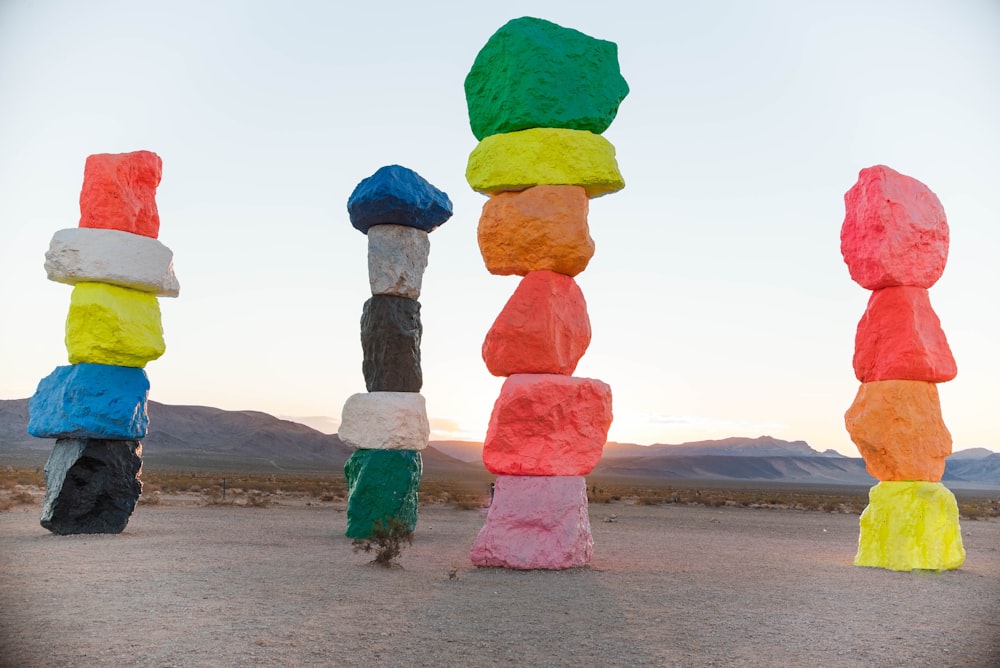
<point x="189" y="584"/>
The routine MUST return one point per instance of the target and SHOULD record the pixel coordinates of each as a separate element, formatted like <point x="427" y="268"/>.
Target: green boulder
<point x="536" y="74"/>
<point x="381" y="485"/>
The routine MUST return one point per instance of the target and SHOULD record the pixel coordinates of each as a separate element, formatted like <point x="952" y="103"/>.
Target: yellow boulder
<point x="898" y="429"/>
<point x="544" y="227"/>
<point x="111" y="325"/>
<point x="910" y="526"/>
<point x="544" y="156"/>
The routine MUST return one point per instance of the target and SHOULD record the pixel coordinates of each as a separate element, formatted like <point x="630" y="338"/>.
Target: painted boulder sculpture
<point x="539" y="96"/>
<point x="388" y="427"/>
<point x="895" y="242"/>
<point x="95" y="408"/>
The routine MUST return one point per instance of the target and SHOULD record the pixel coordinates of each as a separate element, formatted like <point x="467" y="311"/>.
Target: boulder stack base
<point x="894" y="241"/>
<point x="539" y="96"/>
<point x="96" y="406"/>
<point x="396" y="209"/>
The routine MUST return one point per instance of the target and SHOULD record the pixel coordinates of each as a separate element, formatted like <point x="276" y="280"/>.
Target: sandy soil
<point x="668" y="586"/>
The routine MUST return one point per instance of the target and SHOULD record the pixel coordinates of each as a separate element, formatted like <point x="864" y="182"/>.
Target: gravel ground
<point x="188" y="585"/>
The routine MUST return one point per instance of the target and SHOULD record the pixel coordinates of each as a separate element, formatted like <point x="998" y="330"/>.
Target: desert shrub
<point x="23" y="497"/>
<point x="387" y="541"/>
<point x="257" y="499"/>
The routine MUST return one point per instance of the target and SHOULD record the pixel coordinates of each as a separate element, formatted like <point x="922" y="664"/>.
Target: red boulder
<point x="543" y="328"/>
<point x="119" y="192"/>
<point x="548" y="425"/>
<point x="895" y="231"/>
<point x="900" y="338"/>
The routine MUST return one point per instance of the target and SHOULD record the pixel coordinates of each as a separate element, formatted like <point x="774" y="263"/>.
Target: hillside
<point x="204" y="438"/>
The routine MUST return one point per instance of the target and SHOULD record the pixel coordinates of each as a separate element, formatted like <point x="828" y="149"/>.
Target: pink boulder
<point x="546" y="424"/>
<point x="895" y="231"/>
<point x="900" y="338"/>
<point x="119" y="192"/>
<point x="536" y="523"/>
<point x="543" y="328"/>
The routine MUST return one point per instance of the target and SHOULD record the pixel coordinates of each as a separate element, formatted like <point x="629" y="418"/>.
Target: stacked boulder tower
<point x="539" y="96"/>
<point x="95" y="407"/>
<point x="388" y="426"/>
<point x="895" y="240"/>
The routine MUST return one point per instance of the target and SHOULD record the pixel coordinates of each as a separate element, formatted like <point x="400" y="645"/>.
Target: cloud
<point x="445" y="429"/>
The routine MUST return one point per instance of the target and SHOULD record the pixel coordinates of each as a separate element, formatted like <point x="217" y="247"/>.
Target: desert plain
<point x="190" y="584"/>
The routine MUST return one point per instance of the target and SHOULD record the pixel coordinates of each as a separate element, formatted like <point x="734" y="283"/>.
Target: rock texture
<point x="897" y="427"/>
<point x="90" y="401"/>
<point x="382" y="485"/>
<point x="544" y="328"/>
<point x="86" y="255"/>
<point x="119" y="192"/>
<point x="900" y="338"/>
<point x="385" y="420"/>
<point x="895" y="231"/>
<point x="108" y="324"/>
<point x="91" y="486"/>
<point x="533" y="73"/>
<point x="544" y="156"/>
<point x="536" y="523"/>
<point x="397" y="258"/>
<point x="543" y="227"/>
<point x="548" y="425"/>
<point x="390" y="341"/>
<point x="910" y="526"/>
<point x="395" y="195"/>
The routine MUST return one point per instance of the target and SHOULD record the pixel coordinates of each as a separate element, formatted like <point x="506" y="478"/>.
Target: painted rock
<point x="895" y="231"/>
<point x="385" y="420"/>
<point x="390" y="340"/>
<point x="900" y="338"/>
<point x="91" y="486"/>
<point x="544" y="425"/>
<point x="898" y="429"/>
<point x="86" y="255"/>
<point x="535" y="74"/>
<point x="544" y="328"/>
<point x="382" y="487"/>
<point x="119" y="192"/>
<point x="910" y="526"/>
<point x="397" y="257"/>
<point x="396" y="195"/>
<point x="536" y="523"/>
<point x="544" y="156"/>
<point x="544" y="227"/>
<point x="90" y="401"/>
<point x="112" y="325"/>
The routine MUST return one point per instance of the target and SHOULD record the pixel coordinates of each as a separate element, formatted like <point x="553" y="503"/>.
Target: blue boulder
<point x="90" y="401"/>
<point x="396" y="195"/>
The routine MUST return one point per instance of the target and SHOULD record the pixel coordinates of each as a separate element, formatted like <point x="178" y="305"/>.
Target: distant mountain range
<point x="211" y="439"/>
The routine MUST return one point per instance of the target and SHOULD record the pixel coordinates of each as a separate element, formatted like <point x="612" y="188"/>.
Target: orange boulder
<point x="543" y="227"/>
<point x="900" y="338"/>
<point x="543" y="328"/>
<point x="119" y="192"/>
<point x="548" y="425"/>
<point x="898" y="429"/>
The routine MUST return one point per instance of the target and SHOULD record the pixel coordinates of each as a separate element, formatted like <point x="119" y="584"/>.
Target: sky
<point x="719" y="302"/>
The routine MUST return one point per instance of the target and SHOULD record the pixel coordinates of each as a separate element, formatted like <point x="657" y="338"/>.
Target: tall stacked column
<point x="895" y="242"/>
<point x="539" y="97"/>
<point x="397" y="209"/>
<point x="96" y="406"/>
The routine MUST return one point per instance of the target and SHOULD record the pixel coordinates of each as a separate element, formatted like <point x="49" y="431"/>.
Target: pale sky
<point x="718" y="299"/>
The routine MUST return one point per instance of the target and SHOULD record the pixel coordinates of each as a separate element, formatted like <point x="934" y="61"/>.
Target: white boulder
<point x="96" y="255"/>
<point x="385" y="421"/>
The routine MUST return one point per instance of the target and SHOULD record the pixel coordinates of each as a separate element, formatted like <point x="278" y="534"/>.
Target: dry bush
<point x="387" y="541"/>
